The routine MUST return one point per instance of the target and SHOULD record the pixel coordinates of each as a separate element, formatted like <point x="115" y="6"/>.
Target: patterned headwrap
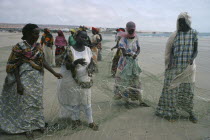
<point x="95" y="29"/>
<point x="73" y="30"/>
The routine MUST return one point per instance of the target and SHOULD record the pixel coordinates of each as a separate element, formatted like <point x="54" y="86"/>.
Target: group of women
<point x="61" y="43"/>
<point x="21" y="105"/>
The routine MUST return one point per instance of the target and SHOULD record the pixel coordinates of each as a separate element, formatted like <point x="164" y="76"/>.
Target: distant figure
<point x="99" y="46"/>
<point x="21" y="104"/>
<point x="96" y="43"/>
<point x="74" y="90"/>
<point x="71" y="40"/>
<point x="127" y="81"/>
<point x="47" y="44"/>
<point x="118" y="53"/>
<point x="178" y="89"/>
<point x="60" y="43"/>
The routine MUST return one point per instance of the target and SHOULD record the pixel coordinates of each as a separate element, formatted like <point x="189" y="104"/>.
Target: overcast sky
<point x="149" y="15"/>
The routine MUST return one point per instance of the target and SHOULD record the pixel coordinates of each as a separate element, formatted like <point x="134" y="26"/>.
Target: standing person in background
<point x="127" y="81"/>
<point x="74" y="90"/>
<point x="21" y="103"/>
<point x="179" y="82"/>
<point x="47" y="44"/>
<point x="71" y="40"/>
<point x="95" y="41"/>
<point x="99" y="45"/>
<point x="118" y="53"/>
<point x="60" y="43"/>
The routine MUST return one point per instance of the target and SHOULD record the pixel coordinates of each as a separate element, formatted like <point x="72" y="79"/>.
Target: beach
<point x="115" y="121"/>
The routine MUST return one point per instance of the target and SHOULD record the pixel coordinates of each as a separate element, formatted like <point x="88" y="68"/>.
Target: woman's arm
<point x="19" y="85"/>
<point x="46" y="66"/>
<point x="195" y="53"/>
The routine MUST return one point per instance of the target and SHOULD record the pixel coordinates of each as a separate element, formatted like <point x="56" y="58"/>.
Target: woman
<point x="21" y="104"/>
<point x="47" y="43"/>
<point x="71" y="39"/>
<point x="95" y="42"/>
<point x="127" y="80"/>
<point x="74" y="90"/>
<point x="118" y="53"/>
<point x="178" y="89"/>
<point x="60" y="43"/>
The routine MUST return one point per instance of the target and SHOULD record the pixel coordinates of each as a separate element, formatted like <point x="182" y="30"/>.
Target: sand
<point x="115" y="121"/>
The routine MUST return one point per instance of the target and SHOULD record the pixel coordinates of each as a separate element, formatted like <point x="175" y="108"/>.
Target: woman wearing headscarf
<point x="96" y="43"/>
<point x="118" y="52"/>
<point x="47" y="44"/>
<point x="60" y="43"/>
<point x="178" y="89"/>
<point x="21" y="104"/>
<point x="127" y="81"/>
<point x="71" y="40"/>
<point x="74" y="90"/>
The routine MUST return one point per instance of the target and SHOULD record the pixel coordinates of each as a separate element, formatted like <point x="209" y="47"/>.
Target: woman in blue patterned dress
<point x="178" y="89"/>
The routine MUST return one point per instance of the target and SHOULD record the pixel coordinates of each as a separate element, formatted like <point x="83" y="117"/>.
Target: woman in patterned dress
<point x="178" y="89"/>
<point x="127" y="79"/>
<point x="21" y="104"/>
<point x="60" y="43"/>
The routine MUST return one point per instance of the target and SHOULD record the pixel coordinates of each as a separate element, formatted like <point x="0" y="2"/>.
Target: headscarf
<point x="130" y="25"/>
<point x="73" y="30"/>
<point x="95" y="29"/>
<point x="46" y="30"/>
<point x="28" y="29"/>
<point x="186" y="17"/>
<point x="60" y="39"/>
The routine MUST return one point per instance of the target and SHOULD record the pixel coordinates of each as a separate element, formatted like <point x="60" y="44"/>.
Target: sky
<point x="149" y="15"/>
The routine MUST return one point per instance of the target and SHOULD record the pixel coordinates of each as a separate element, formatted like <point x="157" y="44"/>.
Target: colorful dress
<point x="47" y="40"/>
<point x="22" y="113"/>
<point x="71" y="40"/>
<point x="116" y="57"/>
<point x="74" y="89"/>
<point x="127" y="79"/>
<point x="180" y="97"/>
<point x="60" y="43"/>
<point x="94" y="49"/>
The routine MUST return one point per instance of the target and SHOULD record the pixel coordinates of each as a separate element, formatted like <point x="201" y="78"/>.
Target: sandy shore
<point x="117" y="122"/>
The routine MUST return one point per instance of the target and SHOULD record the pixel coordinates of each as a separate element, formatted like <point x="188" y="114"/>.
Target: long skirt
<point x="127" y="81"/>
<point x="180" y="97"/>
<point x="115" y="61"/>
<point x="49" y="55"/>
<point x="22" y="113"/>
<point x="95" y="54"/>
<point x="58" y="55"/>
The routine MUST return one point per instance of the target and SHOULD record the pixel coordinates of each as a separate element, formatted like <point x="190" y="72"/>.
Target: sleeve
<point x="14" y="59"/>
<point x="122" y="43"/>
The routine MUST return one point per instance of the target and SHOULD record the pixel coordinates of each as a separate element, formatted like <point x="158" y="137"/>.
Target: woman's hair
<point x="28" y="29"/>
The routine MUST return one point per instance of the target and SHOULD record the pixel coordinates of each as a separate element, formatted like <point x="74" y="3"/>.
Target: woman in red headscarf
<point x="60" y="43"/>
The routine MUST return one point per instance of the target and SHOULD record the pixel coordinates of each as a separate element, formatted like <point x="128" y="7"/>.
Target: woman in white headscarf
<point x="178" y="89"/>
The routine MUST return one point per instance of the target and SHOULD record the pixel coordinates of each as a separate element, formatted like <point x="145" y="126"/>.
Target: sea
<point x="168" y="34"/>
